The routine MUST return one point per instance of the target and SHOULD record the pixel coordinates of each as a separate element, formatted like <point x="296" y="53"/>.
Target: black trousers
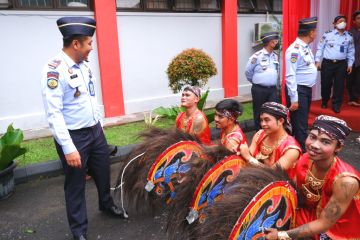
<point x="260" y="95"/>
<point x="333" y="76"/>
<point x="93" y="149"/>
<point x="353" y="84"/>
<point x="299" y="118"/>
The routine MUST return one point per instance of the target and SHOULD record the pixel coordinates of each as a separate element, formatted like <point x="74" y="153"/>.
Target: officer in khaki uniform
<point x="72" y="112"/>
<point x="262" y="71"/>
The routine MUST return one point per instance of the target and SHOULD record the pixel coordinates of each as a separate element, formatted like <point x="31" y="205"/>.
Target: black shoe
<point x="81" y="237"/>
<point x="324" y="105"/>
<point x="115" y="212"/>
<point x="336" y="110"/>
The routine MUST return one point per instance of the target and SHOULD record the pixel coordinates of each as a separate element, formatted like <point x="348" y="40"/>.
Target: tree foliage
<point x="191" y="67"/>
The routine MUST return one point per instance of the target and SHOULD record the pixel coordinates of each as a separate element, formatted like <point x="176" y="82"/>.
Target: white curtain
<point x="326" y="11"/>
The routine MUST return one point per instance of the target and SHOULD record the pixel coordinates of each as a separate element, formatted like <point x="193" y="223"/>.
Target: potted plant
<point x="191" y="67"/>
<point x="9" y="150"/>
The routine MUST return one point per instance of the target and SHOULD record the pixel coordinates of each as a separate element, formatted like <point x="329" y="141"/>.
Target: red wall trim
<point x="293" y="11"/>
<point x="109" y="57"/>
<point x="347" y="7"/>
<point x="229" y="49"/>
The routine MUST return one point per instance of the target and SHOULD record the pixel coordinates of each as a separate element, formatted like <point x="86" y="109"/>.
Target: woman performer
<point x="193" y="121"/>
<point x="273" y="144"/>
<point x="329" y="186"/>
<point x="231" y="135"/>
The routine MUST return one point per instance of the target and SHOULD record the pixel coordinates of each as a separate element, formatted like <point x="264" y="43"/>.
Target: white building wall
<point x="28" y="40"/>
<point x="148" y="42"/>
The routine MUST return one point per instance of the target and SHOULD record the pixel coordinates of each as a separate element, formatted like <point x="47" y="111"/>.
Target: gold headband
<point x="81" y="24"/>
<point x="271" y="35"/>
<point x="309" y="22"/>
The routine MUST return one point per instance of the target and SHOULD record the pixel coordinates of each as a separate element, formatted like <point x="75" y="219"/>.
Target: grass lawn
<point x="43" y="149"/>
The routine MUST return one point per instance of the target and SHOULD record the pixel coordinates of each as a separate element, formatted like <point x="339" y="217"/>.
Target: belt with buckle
<point x="334" y="60"/>
<point x="85" y="128"/>
<point x="259" y="85"/>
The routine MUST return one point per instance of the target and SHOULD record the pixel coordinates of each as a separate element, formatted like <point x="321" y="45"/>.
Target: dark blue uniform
<point x="74" y="118"/>
<point x="337" y="52"/>
<point x="301" y="74"/>
<point x="262" y="70"/>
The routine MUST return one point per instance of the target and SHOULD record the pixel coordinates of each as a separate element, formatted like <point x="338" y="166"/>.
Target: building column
<point x="229" y="49"/>
<point x="293" y="11"/>
<point x="109" y="57"/>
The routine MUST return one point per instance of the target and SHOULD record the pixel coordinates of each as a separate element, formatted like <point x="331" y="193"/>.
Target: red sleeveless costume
<point x="204" y="136"/>
<point x="288" y="143"/>
<point x="237" y="135"/>
<point x="348" y="225"/>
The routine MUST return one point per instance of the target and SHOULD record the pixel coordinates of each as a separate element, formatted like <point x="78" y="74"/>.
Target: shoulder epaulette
<point x="54" y="63"/>
<point x="258" y="53"/>
<point x="328" y="31"/>
<point x="349" y="33"/>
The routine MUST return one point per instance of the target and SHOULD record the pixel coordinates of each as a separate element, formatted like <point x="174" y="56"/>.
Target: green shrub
<point x="191" y="67"/>
<point x="10" y="146"/>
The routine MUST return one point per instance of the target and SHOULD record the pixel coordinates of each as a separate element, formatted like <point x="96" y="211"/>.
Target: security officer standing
<point x="353" y="81"/>
<point x="338" y="52"/>
<point x="262" y="71"/>
<point x="74" y="118"/>
<point x="301" y="75"/>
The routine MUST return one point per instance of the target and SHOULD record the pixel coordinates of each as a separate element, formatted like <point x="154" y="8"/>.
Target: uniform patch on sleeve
<point x="52" y="83"/>
<point x="54" y="63"/>
<point x="322" y="39"/>
<point x="294" y="57"/>
<point x="253" y="60"/>
<point x="53" y="75"/>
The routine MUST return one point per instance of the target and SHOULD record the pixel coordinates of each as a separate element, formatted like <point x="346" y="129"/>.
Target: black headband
<point x="332" y="126"/>
<point x="194" y="90"/>
<point x="279" y="110"/>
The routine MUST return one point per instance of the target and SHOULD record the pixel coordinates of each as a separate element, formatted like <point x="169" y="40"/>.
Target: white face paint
<point x="341" y="25"/>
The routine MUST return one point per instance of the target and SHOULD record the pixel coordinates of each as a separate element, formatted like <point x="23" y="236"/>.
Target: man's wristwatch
<point x="282" y="235"/>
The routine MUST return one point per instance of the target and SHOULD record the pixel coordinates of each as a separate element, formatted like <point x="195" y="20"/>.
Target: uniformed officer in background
<point x="353" y="83"/>
<point x="338" y="52"/>
<point x="262" y="71"/>
<point x="301" y="74"/>
<point x="74" y="118"/>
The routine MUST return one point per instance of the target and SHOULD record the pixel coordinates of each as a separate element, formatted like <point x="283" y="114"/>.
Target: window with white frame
<point x="49" y="4"/>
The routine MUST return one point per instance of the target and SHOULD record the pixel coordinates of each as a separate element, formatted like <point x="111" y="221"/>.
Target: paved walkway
<point x="37" y="210"/>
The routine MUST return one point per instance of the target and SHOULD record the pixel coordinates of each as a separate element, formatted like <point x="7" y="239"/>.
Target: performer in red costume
<point x="231" y="135"/>
<point x="273" y="144"/>
<point x="193" y="121"/>
<point x="329" y="186"/>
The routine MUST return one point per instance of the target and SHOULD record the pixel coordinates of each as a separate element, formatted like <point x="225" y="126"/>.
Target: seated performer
<point x="330" y="187"/>
<point x="231" y="135"/>
<point x="273" y="144"/>
<point x="193" y="121"/>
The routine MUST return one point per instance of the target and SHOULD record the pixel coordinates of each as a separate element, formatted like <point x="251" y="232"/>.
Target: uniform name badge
<point x="91" y="88"/>
<point x="342" y="48"/>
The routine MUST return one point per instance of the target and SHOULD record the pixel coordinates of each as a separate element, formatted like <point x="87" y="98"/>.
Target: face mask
<point x="341" y="25"/>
